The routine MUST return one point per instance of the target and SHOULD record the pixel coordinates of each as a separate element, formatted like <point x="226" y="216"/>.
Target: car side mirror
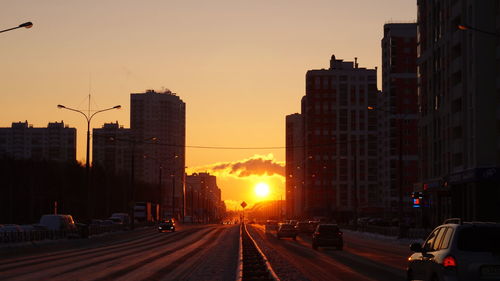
<point x="416" y="247"/>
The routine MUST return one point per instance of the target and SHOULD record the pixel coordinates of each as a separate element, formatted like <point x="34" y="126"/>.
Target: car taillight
<point x="316" y="233"/>
<point x="449" y="262"/>
<point x="340" y="233"/>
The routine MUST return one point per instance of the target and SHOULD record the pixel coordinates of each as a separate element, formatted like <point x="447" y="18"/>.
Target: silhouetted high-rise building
<point x="158" y="125"/>
<point x="203" y="198"/>
<point x="111" y="148"/>
<point x="340" y="141"/>
<point x="295" y="192"/>
<point x="398" y="118"/>
<point x="459" y="106"/>
<point x="57" y="142"/>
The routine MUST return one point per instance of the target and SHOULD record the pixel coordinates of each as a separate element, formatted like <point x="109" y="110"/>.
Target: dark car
<point x="286" y="230"/>
<point x="327" y="235"/>
<point x="167" y="225"/>
<point x="457" y="251"/>
<point x="304" y="227"/>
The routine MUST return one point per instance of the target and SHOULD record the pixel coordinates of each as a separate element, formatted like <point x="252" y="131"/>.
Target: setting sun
<point x="262" y="189"/>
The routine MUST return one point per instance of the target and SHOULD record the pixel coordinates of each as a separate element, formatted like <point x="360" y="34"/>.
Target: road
<point x="361" y="260"/>
<point x="191" y="253"/>
<point x="203" y="252"/>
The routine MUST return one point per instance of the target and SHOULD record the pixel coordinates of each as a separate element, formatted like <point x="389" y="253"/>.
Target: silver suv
<point x="457" y="250"/>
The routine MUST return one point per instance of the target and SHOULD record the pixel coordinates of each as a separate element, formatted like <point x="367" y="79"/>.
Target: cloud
<point x="257" y="165"/>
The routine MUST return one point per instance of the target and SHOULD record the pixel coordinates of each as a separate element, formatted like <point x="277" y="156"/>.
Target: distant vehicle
<point x="304" y="227"/>
<point x="271" y="225"/>
<point x="107" y="222"/>
<point x="286" y="230"/>
<point x="96" y="222"/>
<point x="124" y="217"/>
<point x="293" y="222"/>
<point x="146" y="212"/>
<point x="327" y="235"/>
<point x="11" y="228"/>
<point x="27" y="227"/>
<point x="168" y="225"/>
<point x="115" y="220"/>
<point x="457" y="251"/>
<point x="58" y="222"/>
<point x="313" y="224"/>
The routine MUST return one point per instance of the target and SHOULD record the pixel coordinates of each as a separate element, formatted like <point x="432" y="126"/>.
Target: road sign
<point x="243" y="204"/>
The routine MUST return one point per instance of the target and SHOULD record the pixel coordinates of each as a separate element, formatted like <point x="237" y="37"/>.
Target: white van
<point x="123" y="217"/>
<point x="58" y="222"/>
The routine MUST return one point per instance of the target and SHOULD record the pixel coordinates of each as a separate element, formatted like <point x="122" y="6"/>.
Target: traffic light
<point x="417" y="199"/>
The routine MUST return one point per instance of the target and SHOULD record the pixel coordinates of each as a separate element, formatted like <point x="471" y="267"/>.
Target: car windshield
<point x="479" y="239"/>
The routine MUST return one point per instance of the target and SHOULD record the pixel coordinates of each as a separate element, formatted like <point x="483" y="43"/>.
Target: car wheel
<point x="409" y="276"/>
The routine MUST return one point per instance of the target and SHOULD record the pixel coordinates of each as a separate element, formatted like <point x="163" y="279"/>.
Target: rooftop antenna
<point x="355" y="62"/>
<point x="90" y="88"/>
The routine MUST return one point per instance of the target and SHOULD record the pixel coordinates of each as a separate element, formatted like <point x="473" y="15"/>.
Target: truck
<point x="146" y="212"/>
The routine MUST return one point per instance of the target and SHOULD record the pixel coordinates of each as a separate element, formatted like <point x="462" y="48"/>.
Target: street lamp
<point x="88" y="118"/>
<point x="400" y="170"/>
<point x="87" y="164"/>
<point x="467" y="27"/>
<point x="25" y="25"/>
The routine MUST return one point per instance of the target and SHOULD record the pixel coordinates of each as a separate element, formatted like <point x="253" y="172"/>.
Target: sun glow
<point x="262" y="189"/>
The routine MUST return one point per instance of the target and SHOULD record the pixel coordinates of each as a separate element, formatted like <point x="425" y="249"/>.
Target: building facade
<point x="294" y="169"/>
<point x="459" y="107"/>
<point x="111" y="148"/>
<point x="158" y="126"/>
<point x="57" y="142"/>
<point x="203" y="198"/>
<point x="397" y="119"/>
<point x="340" y="138"/>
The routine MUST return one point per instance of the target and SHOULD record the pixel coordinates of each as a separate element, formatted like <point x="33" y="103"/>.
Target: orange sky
<point x="239" y="66"/>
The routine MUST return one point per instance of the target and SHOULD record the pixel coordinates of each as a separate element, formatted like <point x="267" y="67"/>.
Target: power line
<point x="152" y="142"/>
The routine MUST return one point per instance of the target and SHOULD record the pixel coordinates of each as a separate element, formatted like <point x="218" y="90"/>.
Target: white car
<point x="457" y="251"/>
<point x="58" y="222"/>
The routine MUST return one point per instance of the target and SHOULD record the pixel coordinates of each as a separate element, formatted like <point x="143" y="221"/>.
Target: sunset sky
<point x="239" y="66"/>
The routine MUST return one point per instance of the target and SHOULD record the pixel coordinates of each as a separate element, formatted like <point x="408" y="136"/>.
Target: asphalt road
<point x="191" y="253"/>
<point x="202" y="252"/>
<point x="361" y="260"/>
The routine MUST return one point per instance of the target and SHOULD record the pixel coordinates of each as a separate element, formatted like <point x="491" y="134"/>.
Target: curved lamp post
<point x="88" y="118"/>
<point x="25" y="25"/>
<point x="87" y="164"/>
